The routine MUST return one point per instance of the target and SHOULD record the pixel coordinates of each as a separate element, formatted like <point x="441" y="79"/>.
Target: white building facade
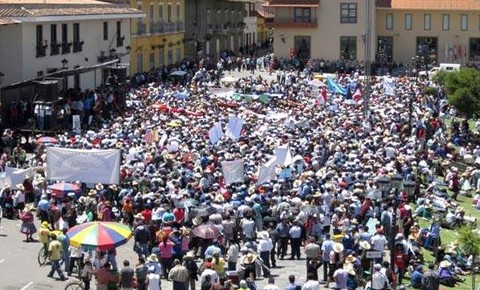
<point x="45" y="40"/>
<point x="250" y="31"/>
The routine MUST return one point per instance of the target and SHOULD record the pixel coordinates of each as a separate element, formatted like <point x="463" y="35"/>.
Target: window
<point x="65" y="44"/>
<point x="152" y="14"/>
<point x="41" y="47"/>
<point x="77" y="44"/>
<point x="474" y="49"/>
<point x="302" y="47"/>
<point x="170" y="56"/>
<point x="169" y="12"/>
<point x="348" y="47"/>
<point x="348" y="13"/>
<point x="139" y="5"/>
<point x="408" y="21"/>
<point x="160" y="13"/>
<point x="160" y="57"/>
<point x="445" y="22"/>
<point x="53" y="34"/>
<point x="179" y="54"/>
<point x="139" y="62"/>
<point x="105" y="30"/>
<point x="179" y="17"/>
<point x="427" y="21"/>
<point x="54" y="46"/>
<point x="302" y="15"/>
<point x="389" y="21"/>
<point x="464" y="22"/>
<point x="39" y="33"/>
<point x="152" y="60"/>
<point x="119" y="34"/>
<point x="384" y="49"/>
<point x="428" y="47"/>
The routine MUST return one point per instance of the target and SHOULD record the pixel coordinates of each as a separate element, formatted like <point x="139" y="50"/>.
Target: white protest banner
<point x="389" y="86"/>
<point x="215" y="133"/>
<point x="5" y="180"/>
<point x="234" y="127"/>
<point x="17" y="175"/>
<point x="233" y="171"/>
<point x="88" y="166"/>
<point x="76" y="126"/>
<point x="266" y="172"/>
<point x="283" y="155"/>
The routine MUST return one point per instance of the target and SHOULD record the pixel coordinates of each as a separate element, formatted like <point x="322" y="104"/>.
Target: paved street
<point x="20" y="270"/>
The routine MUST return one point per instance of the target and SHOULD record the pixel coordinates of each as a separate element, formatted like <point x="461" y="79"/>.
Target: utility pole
<point x="367" y="57"/>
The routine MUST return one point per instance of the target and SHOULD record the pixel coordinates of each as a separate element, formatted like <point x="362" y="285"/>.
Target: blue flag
<point x="334" y="87"/>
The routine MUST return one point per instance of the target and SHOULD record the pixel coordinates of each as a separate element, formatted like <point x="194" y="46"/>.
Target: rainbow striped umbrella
<point x="99" y="235"/>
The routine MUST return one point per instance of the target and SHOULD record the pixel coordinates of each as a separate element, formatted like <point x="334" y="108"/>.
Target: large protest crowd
<point x="309" y="160"/>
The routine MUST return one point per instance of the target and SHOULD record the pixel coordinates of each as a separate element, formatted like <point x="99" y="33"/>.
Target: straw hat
<point x="365" y="245"/>
<point x="350" y="259"/>
<point x="197" y="221"/>
<point x="444" y="264"/>
<point x="249" y="258"/>
<point x="20" y="186"/>
<point x="263" y="235"/>
<point x="152" y="258"/>
<point x="99" y="186"/>
<point x="29" y="207"/>
<point x="189" y="255"/>
<point x="92" y="192"/>
<point x="338" y="247"/>
<point x="139" y="216"/>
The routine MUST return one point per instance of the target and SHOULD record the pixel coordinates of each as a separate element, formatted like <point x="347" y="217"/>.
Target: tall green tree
<point x="470" y="245"/>
<point x="463" y="90"/>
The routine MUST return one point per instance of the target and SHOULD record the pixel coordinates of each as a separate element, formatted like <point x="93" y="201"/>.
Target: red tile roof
<point x="59" y="10"/>
<point x="430" y="4"/>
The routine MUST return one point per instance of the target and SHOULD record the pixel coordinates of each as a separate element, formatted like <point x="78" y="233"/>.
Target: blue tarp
<point x="334" y="87"/>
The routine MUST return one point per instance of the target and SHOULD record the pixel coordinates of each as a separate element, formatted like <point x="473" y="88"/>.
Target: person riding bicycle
<point x="43" y="234"/>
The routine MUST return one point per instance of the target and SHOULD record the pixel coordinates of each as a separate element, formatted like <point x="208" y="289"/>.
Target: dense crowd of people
<point x="322" y="204"/>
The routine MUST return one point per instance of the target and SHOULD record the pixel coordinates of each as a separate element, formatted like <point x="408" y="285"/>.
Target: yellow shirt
<point x="55" y="250"/>
<point x="218" y="266"/>
<point x="43" y="235"/>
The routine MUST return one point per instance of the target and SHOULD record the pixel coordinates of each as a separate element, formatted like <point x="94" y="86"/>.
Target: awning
<point x="63" y="73"/>
<point x="80" y="70"/>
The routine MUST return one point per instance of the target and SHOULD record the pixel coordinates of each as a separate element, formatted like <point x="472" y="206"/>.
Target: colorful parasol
<point x="46" y="140"/>
<point x="61" y="189"/>
<point x="206" y="231"/>
<point x="99" y="235"/>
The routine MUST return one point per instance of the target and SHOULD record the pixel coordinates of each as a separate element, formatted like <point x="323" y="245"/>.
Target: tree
<point x="463" y="90"/>
<point x="470" y="245"/>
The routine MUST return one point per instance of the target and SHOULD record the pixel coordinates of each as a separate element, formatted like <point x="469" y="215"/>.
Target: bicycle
<point x="42" y="256"/>
<point x="75" y="285"/>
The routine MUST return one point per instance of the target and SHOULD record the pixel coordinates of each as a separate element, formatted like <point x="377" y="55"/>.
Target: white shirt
<point x="378" y="242"/>
<point x="153" y="281"/>
<point x="265" y="245"/>
<point x="247" y="227"/>
<point x="379" y="280"/>
<point x="311" y="285"/>
<point x="295" y="232"/>
<point x="213" y="274"/>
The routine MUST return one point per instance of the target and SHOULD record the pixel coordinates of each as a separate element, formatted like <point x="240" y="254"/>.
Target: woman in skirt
<point x="28" y="227"/>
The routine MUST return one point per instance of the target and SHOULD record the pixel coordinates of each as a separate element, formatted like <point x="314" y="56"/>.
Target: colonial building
<point x="437" y="30"/>
<point x="213" y="26"/>
<point x="39" y="37"/>
<point x="157" y="39"/>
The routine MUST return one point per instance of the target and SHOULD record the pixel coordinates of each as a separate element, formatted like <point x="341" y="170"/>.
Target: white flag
<point x="234" y="127"/>
<point x="266" y="172"/>
<point x="215" y="133"/>
<point x="283" y="155"/>
<point x="233" y="171"/>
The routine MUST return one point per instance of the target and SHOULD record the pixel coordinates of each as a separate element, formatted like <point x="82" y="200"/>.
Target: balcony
<point x="66" y="47"/>
<point x="78" y="46"/>
<point x="55" y="48"/>
<point x="180" y="26"/>
<point x="169" y="27"/>
<point x="141" y="29"/>
<point x="41" y="50"/>
<point x="291" y="22"/>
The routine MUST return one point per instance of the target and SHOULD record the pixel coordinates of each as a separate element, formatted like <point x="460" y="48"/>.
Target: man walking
<point x="178" y="275"/>
<point x="55" y="252"/>
<point x="126" y="276"/>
